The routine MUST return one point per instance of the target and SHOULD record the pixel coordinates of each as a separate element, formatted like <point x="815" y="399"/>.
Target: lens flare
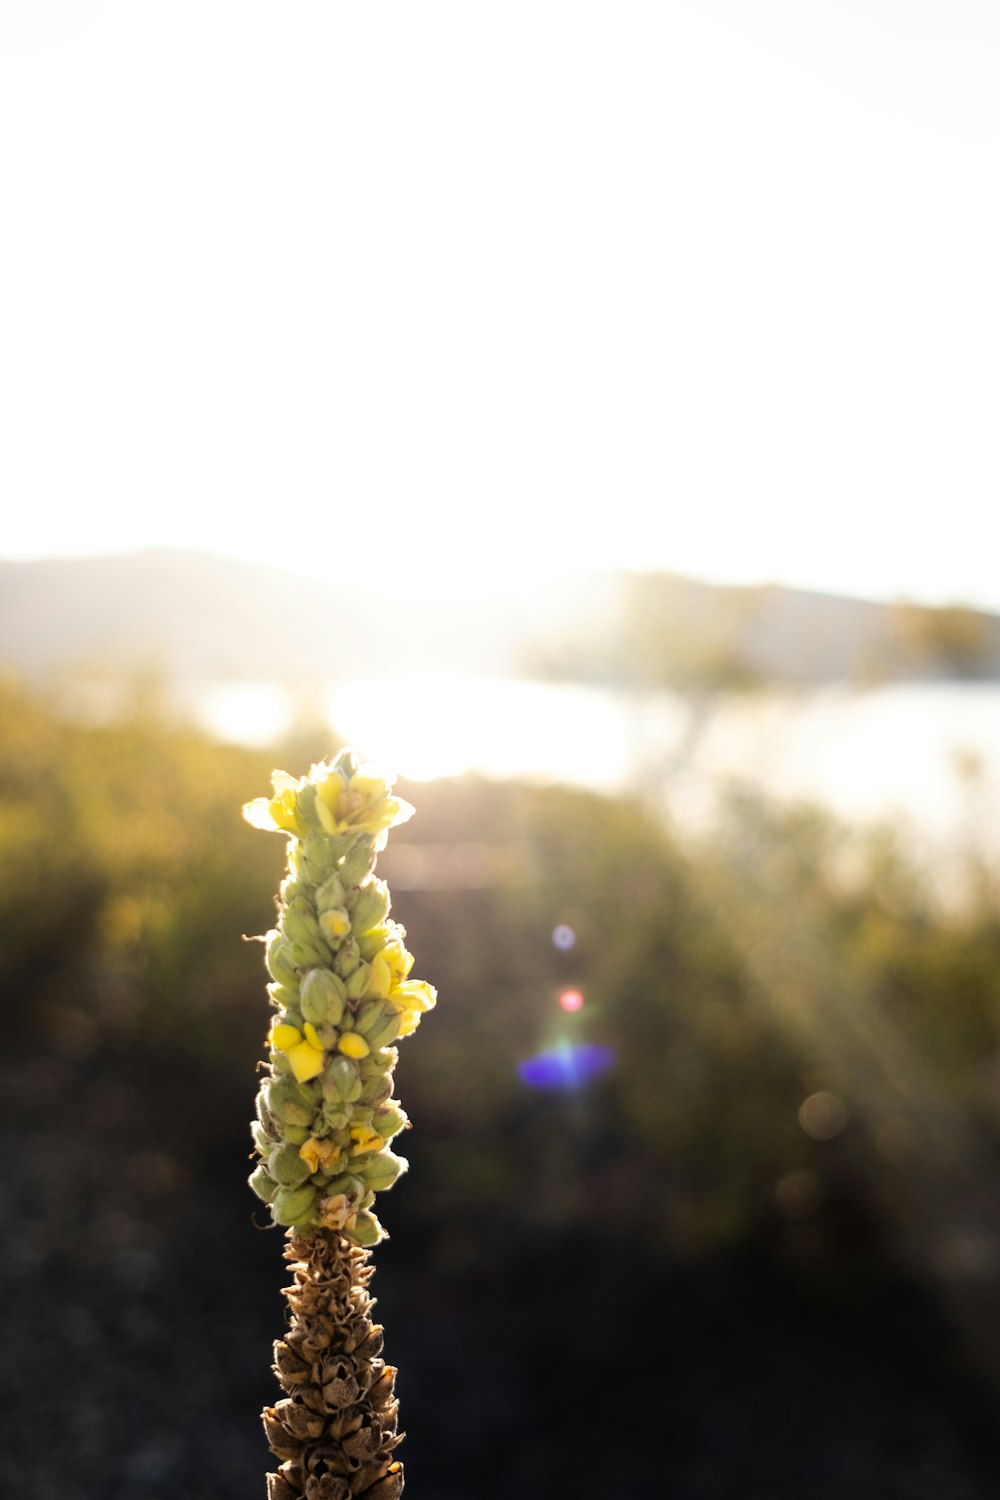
<point x="563" y="937"/>
<point x="571" y="1000"/>
<point x="566" y="1066"/>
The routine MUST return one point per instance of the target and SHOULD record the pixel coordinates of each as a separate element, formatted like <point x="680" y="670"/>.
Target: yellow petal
<point x="416" y="994"/>
<point x="283" y="783"/>
<point x="306" y="1061"/>
<point x="282" y="810"/>
<point x="399" y="960"/>
<point x="335" y="924"/>
<point x="326" y="817"/>
<point x="258" y="814"/>
<point x="353" y="1044"/>
<point x="400" y="810"/>
<point x="379" y="979"/>
<point x="285" y="1037"/>
<point x="312" y="1036"/>
<point x="309" y="1152"/>
<point x="365" y="1139"/>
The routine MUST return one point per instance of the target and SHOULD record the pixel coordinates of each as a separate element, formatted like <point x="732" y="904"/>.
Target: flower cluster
<point x="341" y="986"/>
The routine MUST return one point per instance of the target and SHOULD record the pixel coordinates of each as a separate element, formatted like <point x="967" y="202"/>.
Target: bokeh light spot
<point x="566" y="1066"/>
<point x="563" y="937"/>
<point x="571" y="1000"/>
<point x="822" y="1116"/>
<point x="798" y="1194"/>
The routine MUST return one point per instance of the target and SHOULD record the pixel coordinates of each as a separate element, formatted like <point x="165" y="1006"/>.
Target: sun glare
<point x="442" y="726"/>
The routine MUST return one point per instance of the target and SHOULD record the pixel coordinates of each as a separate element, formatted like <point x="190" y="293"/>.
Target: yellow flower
<point x="388" y="970"/>
<point x="365" y="1139"/>
<point x="284" y="1038"/>
<point x="312" y="1036"/>
<point x="409" y="1020"/>
<point x="279" y="811"/>
<point x="415" y="994"/>
<point x="335" y="924"/>
<point x="306" y="1061"/>
<point x="364" y="805"/>
<point x="353" y="1044"/>
<point x="319" y="1155"/>
<point x="304" y="1049"/>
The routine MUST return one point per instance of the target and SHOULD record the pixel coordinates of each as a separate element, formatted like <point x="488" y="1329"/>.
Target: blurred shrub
<point x="126" y="877"/>
<point x="733" y="980"/>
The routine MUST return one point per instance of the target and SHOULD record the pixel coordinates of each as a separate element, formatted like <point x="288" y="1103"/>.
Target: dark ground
<point x="141" y="1302"/>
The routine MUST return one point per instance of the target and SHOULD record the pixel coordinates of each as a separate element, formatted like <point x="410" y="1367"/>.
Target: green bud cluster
<point x="341" y="989"/>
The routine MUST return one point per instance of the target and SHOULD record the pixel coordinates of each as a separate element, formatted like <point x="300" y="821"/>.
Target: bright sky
<point x="463" y="294"/>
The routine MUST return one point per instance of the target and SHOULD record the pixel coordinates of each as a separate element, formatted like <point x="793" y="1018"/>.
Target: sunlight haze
<point x="468" y="297"/>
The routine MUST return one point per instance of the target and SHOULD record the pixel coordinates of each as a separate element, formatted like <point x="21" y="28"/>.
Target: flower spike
<point x="325" y="1117"/>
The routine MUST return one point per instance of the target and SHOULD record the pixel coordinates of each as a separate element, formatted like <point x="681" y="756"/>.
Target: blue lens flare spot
<point x="566" y="1067"/>
<point x="563" y="937"/>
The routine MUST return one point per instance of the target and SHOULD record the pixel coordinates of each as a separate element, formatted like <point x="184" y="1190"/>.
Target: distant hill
<point x="660" y="630"/>
<point x="194" y="617"/>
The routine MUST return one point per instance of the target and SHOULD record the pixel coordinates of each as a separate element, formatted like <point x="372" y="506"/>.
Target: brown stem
<point x="335" y="1429"/>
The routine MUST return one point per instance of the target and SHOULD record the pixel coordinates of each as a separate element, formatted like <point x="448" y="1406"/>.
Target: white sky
<point x="462" y="294"/>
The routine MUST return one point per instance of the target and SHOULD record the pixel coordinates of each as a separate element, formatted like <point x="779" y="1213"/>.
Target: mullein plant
<point x="341" y="987"/>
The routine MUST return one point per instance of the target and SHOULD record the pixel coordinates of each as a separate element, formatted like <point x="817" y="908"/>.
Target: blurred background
<point x="588" y="412"/>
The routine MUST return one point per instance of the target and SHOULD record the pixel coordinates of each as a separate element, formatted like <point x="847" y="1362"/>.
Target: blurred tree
<point x="952" y="639"/>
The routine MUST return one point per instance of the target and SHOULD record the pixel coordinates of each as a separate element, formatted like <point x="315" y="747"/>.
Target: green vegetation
<point x="733" y="981"/>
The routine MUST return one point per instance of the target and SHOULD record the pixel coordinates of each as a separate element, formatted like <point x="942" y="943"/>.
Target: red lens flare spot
<point x="571" y="1000"/>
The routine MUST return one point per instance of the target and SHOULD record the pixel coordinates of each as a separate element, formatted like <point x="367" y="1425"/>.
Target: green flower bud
<point x="322" y="997"/>
<point x="378" y="1062"/>
<point x="331" y="894"/>
<point x="287" y="1167"/>
<point x="348" y="958"/>
<point x="277" y="956"/>
<point x="335" y="926"/>
<point x="370" y="943"/>
<point x="375" y="1090"/>
<point x="358" y="982"/>
<point x="387" y="1032"/>
<point x="389" y="1119"/>
<point x="366" y="1231"/>
<point x="283" y="995"/>
<point x="352" y="1187"/>
<point x="289" y="1101"/>
<point x="382" y="1170"/>
<point x="357" y="864"/>
<point x="296" y="1134"/>
<point x="345" y="763"/>
<point x="336" y="1116"/>
<point x="294" y="1205"/>
<point x="261" y="1139"/>
<point x="264" y="1114"/>
<point x="305" y="955"/>
<point x="306" y="805"/>
<point x="341" y="1080"/>
<point x="263" y="1184"/>
<point x="370" y="1015"/>
<point x="302" y="932"/>
<point x="370" y="906"/>
<point x="317" y="857"/>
